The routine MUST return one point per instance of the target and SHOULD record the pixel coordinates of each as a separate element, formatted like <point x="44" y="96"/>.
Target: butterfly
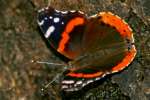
<point x="96" y="45"/>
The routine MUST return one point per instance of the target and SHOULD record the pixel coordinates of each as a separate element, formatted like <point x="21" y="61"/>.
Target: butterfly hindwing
<point x="107" y="48"/>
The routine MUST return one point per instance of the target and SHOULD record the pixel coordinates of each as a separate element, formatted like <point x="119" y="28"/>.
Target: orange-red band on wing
<point x="65" y="35"/>
<point x="114" y="20"/>
<point x="126" y="61"/>
<point x="82" y="75"/>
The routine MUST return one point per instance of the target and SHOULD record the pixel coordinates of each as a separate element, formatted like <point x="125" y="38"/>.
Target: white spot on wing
<point x="124" y="22"/>
<point x="110" y="13"/>
<point x="46" y="8"/>
<point x="41" y="10"/>
<point x="62" y="23"/>
<point x="57" y="11"/>
<point x="49" y="31"/>
<point x="64" y="12"/>
<point x="102" y="13"/>
<point x="81" y="12"/>
<point x="94" y="15"/>
<point x="45" y="18"/>
<point x="132" y="38"/>
<point x="68" y="82"/>
<point x="130" y="28"/>
<point x="89" y="81"/>
<point x="83" y="84"/>
<point x="50" y="17"/>
<point x="64" y="86"/>
<point x="56" y="20"/>
<point x="79" y="82"/>
<point x="41" y="23"/>
<point x="118" y="17"/>
<point x="72" y="11"/>
<point x="98" y="78"/>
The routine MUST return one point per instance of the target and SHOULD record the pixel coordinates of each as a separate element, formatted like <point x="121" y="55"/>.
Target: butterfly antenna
<point x="56" y="77"/>
<point x="48" y="63"/>
<point x="53" y="80"/>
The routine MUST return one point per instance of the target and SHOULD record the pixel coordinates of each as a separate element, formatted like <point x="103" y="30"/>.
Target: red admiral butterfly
<point x="97" y="45"/>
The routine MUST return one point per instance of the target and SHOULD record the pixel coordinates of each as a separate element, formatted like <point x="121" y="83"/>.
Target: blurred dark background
<point x="21" y="42"/>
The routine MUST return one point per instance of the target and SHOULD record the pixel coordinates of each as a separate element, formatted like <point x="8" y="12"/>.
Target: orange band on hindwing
<point x="82" y="75"/>
<point x="126" y="60"/>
